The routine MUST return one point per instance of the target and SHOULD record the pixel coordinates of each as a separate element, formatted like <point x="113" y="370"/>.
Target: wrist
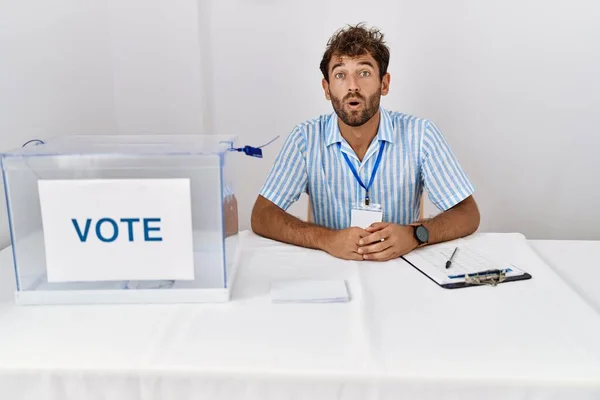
<point x="420" y="235"/>
<point x="412" y="240"/>
<point x="325" y="239"/>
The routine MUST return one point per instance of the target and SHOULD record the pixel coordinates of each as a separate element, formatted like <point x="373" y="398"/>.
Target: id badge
<point x="363" y="216"/>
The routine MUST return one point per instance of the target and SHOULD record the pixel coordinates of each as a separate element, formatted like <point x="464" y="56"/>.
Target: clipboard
<point x="470" y="266"/>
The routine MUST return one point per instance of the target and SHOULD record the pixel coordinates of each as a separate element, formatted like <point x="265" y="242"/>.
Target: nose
<point x="353" y="85"/>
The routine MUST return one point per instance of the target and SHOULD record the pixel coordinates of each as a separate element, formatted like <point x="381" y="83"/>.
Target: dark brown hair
<point x="353" y="41"/>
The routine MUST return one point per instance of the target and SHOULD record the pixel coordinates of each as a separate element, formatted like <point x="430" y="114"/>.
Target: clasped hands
<point x="367" y="244"/>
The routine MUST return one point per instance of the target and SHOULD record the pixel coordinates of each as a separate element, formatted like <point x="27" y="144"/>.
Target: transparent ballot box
<point x="122" y="219"/>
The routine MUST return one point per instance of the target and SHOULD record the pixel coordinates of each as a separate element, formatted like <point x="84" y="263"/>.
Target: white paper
<point x="158" y="246"/>
<point x="364" y="218"/>
<point x="309" y="291"/>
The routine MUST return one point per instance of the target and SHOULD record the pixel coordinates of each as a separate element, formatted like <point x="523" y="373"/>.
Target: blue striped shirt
<point x="416" y="156"/>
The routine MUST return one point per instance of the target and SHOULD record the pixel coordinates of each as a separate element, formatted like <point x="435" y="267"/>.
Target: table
<point x="401" y="336"/>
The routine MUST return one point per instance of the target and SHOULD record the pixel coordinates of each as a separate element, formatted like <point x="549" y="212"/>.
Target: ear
<point x="385" y="84"/>
<point x="325" y="85"/>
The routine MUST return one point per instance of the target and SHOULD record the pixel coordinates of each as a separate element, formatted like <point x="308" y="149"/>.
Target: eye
<point x="365" y="73"/>
<point x="339" y="75"/>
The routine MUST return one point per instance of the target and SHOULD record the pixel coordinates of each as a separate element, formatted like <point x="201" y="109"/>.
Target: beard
<point x="356" y="118"/>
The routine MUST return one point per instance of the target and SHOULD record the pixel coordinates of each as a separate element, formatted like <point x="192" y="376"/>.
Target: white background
<point x="513" y="85"/>
<point x="71" y="260"/>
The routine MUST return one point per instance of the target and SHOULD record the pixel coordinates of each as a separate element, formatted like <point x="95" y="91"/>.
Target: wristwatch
<point x="421" y="234"/>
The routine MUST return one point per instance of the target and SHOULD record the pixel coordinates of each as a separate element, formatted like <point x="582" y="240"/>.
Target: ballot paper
<point x="309" y="291"/>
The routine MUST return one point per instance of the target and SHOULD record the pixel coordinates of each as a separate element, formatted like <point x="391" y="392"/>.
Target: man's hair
<point x="353" y="41"/>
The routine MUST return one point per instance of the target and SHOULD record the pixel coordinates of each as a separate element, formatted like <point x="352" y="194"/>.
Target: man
<point x="362" y="159"/>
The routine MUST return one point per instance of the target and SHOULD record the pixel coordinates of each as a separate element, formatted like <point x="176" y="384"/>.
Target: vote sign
<point x="117" y="229"/>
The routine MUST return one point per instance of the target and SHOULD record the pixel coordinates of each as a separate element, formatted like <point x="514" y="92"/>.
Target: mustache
<point x="353" y="96"/>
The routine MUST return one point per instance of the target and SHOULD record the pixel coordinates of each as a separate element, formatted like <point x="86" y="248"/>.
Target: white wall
<point x="512" y="84"/>
<point x="156" y="66"/>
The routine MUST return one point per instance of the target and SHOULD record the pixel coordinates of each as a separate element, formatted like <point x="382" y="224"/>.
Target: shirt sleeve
<point x="288" y="177"/>
<point x="443" y="177"/>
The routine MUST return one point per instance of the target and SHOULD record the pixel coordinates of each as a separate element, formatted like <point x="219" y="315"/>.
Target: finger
<point x="355" y="256"/>
<point x="375" y="248"/>
<point x="385" y="255"/>
<point x="363" y="233"/>
<point x="360" y="232"/>
<point x="374" y="238"/>
<point x="377" y="226"/>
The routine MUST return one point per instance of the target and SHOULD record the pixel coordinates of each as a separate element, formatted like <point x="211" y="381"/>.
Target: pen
<point x="449" y="262"/>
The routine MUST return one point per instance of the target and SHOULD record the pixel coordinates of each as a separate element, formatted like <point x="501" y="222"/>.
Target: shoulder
<point x="407" y="123"/>
<point x="305" y="134"/>
<point x="313" y="128"/>
<point x="406" y="130"/>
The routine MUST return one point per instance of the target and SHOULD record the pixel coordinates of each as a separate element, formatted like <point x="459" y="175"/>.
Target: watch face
<point x="422" y="234"/>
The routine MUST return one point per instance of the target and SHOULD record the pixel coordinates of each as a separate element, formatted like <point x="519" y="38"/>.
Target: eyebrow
<point x="369" y="63"/>
<point x="341" y="64"/>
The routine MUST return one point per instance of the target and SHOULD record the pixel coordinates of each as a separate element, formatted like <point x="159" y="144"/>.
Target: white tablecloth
<point x="401" y="336"/>
<point x="577" y="262"/>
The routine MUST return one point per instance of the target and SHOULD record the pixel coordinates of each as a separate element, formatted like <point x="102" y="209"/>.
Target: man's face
<point x="354" y="88"/>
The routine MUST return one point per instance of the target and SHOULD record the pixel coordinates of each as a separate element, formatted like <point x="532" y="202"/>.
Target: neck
<point x="360" y="137"/>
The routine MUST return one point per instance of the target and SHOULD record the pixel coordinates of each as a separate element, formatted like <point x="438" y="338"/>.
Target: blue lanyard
<point x="375" y="168"/>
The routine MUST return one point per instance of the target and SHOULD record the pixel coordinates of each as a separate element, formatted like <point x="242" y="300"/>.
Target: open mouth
<point x="354" y="103"/>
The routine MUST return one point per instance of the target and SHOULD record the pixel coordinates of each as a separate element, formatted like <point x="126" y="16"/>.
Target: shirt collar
<point x="385" y="131"/>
